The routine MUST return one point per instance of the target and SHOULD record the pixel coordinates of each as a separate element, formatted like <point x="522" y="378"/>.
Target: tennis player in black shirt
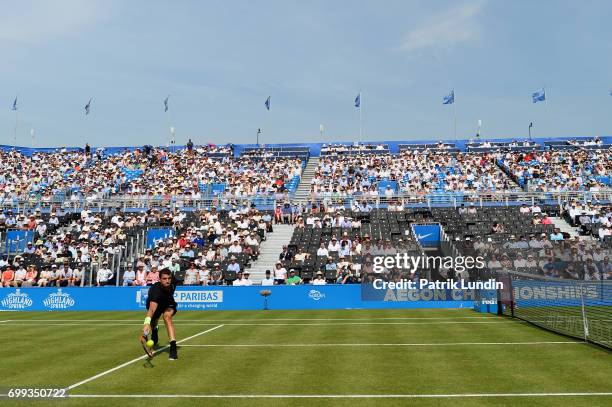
<point x="160" y="303"/>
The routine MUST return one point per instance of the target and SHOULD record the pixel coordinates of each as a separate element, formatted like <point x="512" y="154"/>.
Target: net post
<point x="585" y="322"/>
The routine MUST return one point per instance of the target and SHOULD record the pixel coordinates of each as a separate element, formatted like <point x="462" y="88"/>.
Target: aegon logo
<point x="316" y="295"/>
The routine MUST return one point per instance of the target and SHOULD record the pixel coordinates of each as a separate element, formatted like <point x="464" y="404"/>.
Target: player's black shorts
<point x="160" y="310"/>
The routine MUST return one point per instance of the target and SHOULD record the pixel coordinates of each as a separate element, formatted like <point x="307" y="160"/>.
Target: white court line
<point x="498" y="322"/>
<point x="137" y="359"/>
<point x="306" y="345"/>
<point x="336" y="396"/>
<point x="253" y="319"/>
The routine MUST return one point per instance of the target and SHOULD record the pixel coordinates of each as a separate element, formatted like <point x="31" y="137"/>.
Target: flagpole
<point x="360" y="106"/>
<point x="15" y="134"/>
<point x="545" y="104"/>
<point x="455" y="114"/>
<point x="168" y="118"/>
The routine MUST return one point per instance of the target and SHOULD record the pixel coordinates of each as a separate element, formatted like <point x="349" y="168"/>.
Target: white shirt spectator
<point x="280" y="273"/>
<point x="190" y="276"/>
<point x="104" y="275"/>
<point x="267" y="281"/>
<point x="319" y="280"/>
<point x="333" y="246"/>
<point x="128" y="277"/>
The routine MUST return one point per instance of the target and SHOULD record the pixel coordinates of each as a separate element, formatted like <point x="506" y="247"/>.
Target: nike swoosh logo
<point x="424" y="236"/>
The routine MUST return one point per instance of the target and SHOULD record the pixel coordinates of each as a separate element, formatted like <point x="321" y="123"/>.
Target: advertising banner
<point x="334" y="296"/>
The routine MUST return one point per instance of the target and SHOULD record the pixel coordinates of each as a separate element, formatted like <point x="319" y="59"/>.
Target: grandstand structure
<point x="208" y="208"/>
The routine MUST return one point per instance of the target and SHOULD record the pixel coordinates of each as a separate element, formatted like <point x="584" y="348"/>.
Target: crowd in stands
<point x="188" y="174"/>
<point x="65" y="246"/>
<point x="42" y="175"/>
<point x="147" y="172"/>
<point x="339" y="149"/>
<point x="210" y="248"/>
<point x="211" y="148"/>
<point x="593" y="219"/>
<point x="550" y="255"/>
<point x="596" y="141"/>
<point x="413" y="173"/>
<point x="549" y="252"/>
<point x="217" y="247"/>
<point x="560" y="170"/>
<point x="502" y="145"/>
<point x="213" y="247"/>
<point x="431" y="147"/>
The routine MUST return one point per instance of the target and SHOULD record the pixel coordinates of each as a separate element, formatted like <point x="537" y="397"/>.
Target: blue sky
<point x="220" y="60"/>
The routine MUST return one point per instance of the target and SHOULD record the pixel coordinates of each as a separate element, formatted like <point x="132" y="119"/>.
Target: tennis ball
<point x="150" y="343"/>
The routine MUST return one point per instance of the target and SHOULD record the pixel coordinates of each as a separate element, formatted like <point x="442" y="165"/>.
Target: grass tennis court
<point x="353" y="357"/>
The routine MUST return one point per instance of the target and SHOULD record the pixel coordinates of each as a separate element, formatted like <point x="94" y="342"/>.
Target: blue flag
<point x="358" y="100"/>
<point x="539" y="96"/>
<point x="14" y="105"/>
<point x="87" y="107"/>
<point x="166" y="103"/>
<point x="449" y="99"/>
<point x="268" y="103"/>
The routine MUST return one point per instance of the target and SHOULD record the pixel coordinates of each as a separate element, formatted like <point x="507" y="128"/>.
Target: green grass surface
<point x="303" y="353"/>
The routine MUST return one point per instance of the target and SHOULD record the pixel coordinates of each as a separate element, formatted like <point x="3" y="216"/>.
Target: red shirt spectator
<point x="7" y="277"/>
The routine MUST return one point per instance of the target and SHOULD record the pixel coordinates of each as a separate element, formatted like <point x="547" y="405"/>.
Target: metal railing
<point x="452" y="199"/>
<point x="456" y="199"/>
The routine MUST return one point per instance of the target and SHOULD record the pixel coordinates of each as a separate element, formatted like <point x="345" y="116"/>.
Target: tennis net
<point x="580" y="309"/>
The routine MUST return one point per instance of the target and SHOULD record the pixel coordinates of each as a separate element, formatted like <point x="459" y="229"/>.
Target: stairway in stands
<point x="270" y="249"/>
<point x="302" y="193"/>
